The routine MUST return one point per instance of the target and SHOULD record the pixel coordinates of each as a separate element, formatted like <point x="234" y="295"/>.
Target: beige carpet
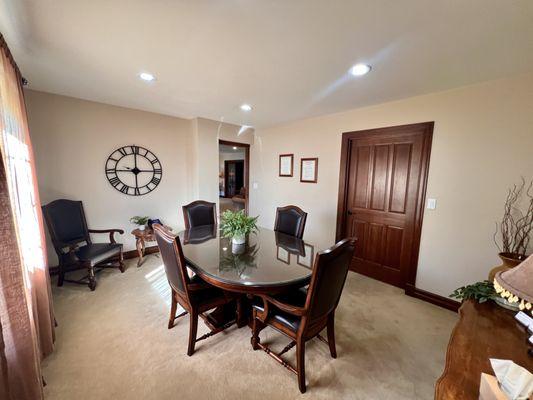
<point x="114" y="344"/>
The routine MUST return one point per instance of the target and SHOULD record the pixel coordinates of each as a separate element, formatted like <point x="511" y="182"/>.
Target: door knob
<point x="350" y="213"/>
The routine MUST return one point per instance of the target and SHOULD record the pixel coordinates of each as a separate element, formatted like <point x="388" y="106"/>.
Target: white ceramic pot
<point x="238" y="249"/>
<point x="141" y="227"/>
<point x="238" y="239"/>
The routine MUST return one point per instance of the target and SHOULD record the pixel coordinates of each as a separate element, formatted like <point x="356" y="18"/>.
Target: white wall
<point x="72" y="139"/>
<point x="482" y="144"/>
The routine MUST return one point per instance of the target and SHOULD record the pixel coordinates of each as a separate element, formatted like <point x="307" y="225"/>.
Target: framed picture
<point x="286" y="164"/>
<point x="283" y="255"/>
<point x="307" y="259"/>
<point x="308" y="170"/>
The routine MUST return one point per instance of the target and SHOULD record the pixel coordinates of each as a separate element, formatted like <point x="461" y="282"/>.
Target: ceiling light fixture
<point x="234" y="147"/>
<point x="360" y="69"/>
<point x="246" y="107"/>
<point x="146" y="76"/>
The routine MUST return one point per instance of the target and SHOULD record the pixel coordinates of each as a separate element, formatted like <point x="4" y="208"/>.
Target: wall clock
<point x="133" y="170"/>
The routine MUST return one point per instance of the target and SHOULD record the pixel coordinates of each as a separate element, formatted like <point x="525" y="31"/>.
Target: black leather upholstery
<point x="329" y="282"/>
<point x="66" y="221"/>
<point x="95" y="253"/>
<point x="199" y="214"/>
<point x="291" y="221"/>
<point x="205" y="296"/>
<point x="294" y="297"/>
<point x="171" y="261"/>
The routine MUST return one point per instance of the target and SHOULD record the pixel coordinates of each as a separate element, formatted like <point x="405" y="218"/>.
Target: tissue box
<point x="489" y="389"/>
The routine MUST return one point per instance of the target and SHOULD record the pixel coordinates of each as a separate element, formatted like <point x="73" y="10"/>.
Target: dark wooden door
<point x="381" y="199"/>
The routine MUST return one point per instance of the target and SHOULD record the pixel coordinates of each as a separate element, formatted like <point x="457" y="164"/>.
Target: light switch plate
<point x="255" y="185"/>
<point x="432" y="204"/>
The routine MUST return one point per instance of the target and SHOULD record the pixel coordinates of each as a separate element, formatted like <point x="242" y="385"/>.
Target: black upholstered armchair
<point x="199" y="213"/>
<point x="72" y="242"/>
<point x="290" y="220"/>
<point x="302" y="315"/>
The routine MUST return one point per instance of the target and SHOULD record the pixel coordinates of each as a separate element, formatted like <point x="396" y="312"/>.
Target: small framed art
<point x="286" y="164"/>
<point x="309" y="170"/>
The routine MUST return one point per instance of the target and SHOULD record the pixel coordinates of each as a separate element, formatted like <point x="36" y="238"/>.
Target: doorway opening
<point x="382" y="190"/>
<point x="234" y="162"/>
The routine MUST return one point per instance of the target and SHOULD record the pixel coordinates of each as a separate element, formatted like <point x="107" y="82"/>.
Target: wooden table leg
<point x="139" y="243"/>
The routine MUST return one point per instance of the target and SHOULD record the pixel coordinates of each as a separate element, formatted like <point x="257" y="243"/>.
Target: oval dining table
<point x="268" y="263"/>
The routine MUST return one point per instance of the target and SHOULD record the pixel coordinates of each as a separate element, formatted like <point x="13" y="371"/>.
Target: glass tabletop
<point x="268" y="259"/>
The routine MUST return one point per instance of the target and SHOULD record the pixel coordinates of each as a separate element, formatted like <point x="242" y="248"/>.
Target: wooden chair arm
<point x="110" y="231"/>
<point x="289" y="308"/>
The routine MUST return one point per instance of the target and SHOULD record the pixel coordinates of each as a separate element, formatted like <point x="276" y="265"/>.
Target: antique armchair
<point x="72" y="242"/>
<point x="193" y="294"/>
<point x="199" y="213"/>
<point x="302" y="315"/>
<point x="290" y="220"/>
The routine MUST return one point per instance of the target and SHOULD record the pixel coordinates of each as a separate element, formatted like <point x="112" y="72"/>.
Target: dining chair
<point x="193" y="294"/>
<point x="290" y="220"/>
<point x="72" y="242"/>
<point x="302" y="315"/>
<point x="199" y="213"/>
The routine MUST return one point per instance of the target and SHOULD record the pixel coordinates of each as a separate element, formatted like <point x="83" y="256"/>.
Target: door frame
<point x="246" y="147"/>
<point x="427" y="132"/>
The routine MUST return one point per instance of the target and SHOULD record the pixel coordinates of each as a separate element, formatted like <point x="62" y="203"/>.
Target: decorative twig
<point x="516" y="226"/>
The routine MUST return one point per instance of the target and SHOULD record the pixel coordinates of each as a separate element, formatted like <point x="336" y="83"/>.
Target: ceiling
<point x="224" y="148"/>
<point x="288" y="59"/>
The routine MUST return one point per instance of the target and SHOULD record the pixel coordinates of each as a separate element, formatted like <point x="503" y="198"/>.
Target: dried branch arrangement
<point x="517" y="225"/>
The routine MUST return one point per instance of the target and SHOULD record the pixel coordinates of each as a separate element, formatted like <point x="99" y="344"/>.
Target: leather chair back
<point x="290" y="220"/>
<point x="173" y="259"/>
<point x="66" y="223"/>
<point x="329" y="275"/>
<point x="199" y="213"/>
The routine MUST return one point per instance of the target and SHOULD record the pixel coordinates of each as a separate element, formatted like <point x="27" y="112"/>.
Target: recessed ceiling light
<point x="146" y="76"/>
<point x="234" y="147"/>
<point x="246" y="107"/>
<point x="360" y="69"/>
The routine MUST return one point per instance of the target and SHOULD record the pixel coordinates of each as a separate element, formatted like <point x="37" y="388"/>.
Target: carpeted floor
<point x="114" y="344"/>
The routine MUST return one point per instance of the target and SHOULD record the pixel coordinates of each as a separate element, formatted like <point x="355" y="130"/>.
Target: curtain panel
<point x="26" y="313"/>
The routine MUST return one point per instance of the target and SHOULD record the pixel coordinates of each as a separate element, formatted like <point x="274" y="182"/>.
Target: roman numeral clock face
<point x="133" y="170"/>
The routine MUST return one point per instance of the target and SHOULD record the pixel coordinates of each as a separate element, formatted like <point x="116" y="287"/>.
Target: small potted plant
<point x="140" y="221"/>
<point x="236" y="225"/>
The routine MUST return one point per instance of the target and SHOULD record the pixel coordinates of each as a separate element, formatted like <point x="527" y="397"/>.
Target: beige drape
<point x="26" y="315"/>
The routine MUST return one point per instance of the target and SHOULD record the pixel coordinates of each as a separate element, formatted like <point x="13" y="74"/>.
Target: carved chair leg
<point x="92" y="279"/>
<point x="257" y="326"/>
<point x="300" y="359"/>
<point x="331" y="335"/>
<point x="121" y="261"/>
<point x="193" y="328"/>
<point x="173" y="308"/>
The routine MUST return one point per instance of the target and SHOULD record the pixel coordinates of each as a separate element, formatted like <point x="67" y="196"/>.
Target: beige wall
<point x="72" y="139"/>
<point x="482" y="144"/>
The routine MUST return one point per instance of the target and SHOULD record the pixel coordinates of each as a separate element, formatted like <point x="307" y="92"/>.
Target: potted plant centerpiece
<point x="515" y="228"/>
<point x="139" y="221"/>
<point x="237" y="225"/>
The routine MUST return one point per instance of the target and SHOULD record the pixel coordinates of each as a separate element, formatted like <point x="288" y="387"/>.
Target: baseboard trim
<point x="441" y="301"/>
<point x="127" y="255"/>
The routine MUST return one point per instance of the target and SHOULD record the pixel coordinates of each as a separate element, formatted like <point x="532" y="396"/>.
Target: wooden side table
<point x="483" y="331"/>
<point x="141" y="237"/>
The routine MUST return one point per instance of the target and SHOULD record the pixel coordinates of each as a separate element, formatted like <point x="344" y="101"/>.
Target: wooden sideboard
<point x="484" y="331"/>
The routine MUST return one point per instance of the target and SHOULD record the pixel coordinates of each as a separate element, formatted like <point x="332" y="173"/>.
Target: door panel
<point x="381" y="193"/>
